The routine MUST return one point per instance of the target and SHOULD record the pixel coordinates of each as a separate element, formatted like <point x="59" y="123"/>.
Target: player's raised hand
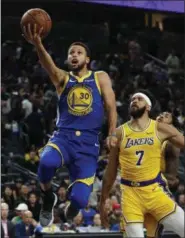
<point x="32" y="36"/>
<point x="111" y="141"/>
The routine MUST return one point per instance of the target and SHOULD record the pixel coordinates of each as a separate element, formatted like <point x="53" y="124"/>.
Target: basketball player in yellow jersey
<point x="139" y="155"/>
<point x="169" y="167"/>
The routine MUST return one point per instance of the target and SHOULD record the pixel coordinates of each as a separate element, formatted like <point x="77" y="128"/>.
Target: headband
<point x="147" y="99"/>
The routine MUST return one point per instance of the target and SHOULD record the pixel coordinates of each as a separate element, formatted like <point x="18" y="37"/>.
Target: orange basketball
<point x="37" y="16"/>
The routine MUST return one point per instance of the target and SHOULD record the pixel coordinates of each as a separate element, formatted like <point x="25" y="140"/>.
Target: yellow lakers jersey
<point x="140" y="153"/>
<point x="163" y="162"/>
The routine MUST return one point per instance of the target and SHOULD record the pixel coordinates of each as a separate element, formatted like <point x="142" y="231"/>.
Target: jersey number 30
<point x="140" y="154"/>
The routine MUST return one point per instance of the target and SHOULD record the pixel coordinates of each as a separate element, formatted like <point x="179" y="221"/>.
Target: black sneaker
<point x="70" y="212"/>
<point x="47" y="210"/>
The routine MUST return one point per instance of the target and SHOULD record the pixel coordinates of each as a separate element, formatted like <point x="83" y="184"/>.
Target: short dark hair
<point x="175" y="122"/>
<point x="83" y="45"/>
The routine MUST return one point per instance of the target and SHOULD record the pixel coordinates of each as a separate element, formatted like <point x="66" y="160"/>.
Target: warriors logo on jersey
<point x="80" y="100"/>
<point x="80" y="104"/>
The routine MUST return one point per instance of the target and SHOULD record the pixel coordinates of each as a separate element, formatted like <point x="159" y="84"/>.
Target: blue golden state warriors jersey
<point x="80" y="104"/>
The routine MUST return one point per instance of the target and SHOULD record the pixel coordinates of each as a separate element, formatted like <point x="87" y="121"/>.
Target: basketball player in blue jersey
<point x="82" y="95"/>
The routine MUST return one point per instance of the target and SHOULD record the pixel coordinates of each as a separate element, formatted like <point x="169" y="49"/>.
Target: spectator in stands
<point x="136" y="62"/>
<point x="26" y="227"/>
<point x="88" y="214"/>
<point x="23" y="80"/>
<point x="62" y="200"/>
<point x="16" y="113"/>
<point x="33" y="186"/>
<point x="36" y="126"/>
<point x="113" y="66"/>
<point x="97" y="220"/>
<point x="5" y="103"/>
<point x="23" y="198"/>
<point x="180" y="190"/>
<point x="32" y="156"/>
<point x="108" y="206"/>
<point x="115" y="217"/>
<point x="114" y="199"/>
<point x="27" y="105"/>
<point x="7" y="227"/>
<point x="62" y="195"/>
<point x="31" y="160"/>
<point x="33" y="205"/>
<point x="181" y="200"/>
<point x="8" y="197"/>
<point x="96" y="225"/>
<point x="20" y="209"/>
<point x="17" y="189"/>
<point x="173" y="64"/>
<point x="57" y="220"/>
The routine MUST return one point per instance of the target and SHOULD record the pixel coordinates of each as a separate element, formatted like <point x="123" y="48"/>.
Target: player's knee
<point x="134" y="230"/>
<point x="50" y="158"/>
<point x="80" y="195"/>
<point x="175" y="221"/>
<point x="49" y="161"/>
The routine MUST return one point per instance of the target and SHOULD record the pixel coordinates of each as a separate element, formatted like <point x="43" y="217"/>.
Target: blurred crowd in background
<point x="133" y="60"/>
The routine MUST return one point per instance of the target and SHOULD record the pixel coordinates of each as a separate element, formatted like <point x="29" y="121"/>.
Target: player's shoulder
<point x="101" y="73"/>
<point x="66" y="74"/>
<point x="162" y="126"/>
<point x="120" y="131"/>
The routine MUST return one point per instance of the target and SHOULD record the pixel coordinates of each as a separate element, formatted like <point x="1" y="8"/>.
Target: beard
<point x="137" y="113"/>
<point x="77" y="67"/>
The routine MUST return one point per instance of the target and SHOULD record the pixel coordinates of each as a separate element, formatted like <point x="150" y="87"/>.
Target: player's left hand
<point x="111" y="141"/>
<point x="104" y="216"/>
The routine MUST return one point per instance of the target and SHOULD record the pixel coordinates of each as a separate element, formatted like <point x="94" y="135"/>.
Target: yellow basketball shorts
<point x="139" y="201"/>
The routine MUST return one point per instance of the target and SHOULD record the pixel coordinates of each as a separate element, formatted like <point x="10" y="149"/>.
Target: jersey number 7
<point x="140" y="154"/>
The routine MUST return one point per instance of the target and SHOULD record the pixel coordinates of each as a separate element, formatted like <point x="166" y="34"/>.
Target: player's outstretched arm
<point x="170" y="133"/>
<point x="110" y="173"/>
<point x="109" y="178"/>
<point x="172" y="163"/>
<point x="110" y="105"/>
<point x="56" y="75"/>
